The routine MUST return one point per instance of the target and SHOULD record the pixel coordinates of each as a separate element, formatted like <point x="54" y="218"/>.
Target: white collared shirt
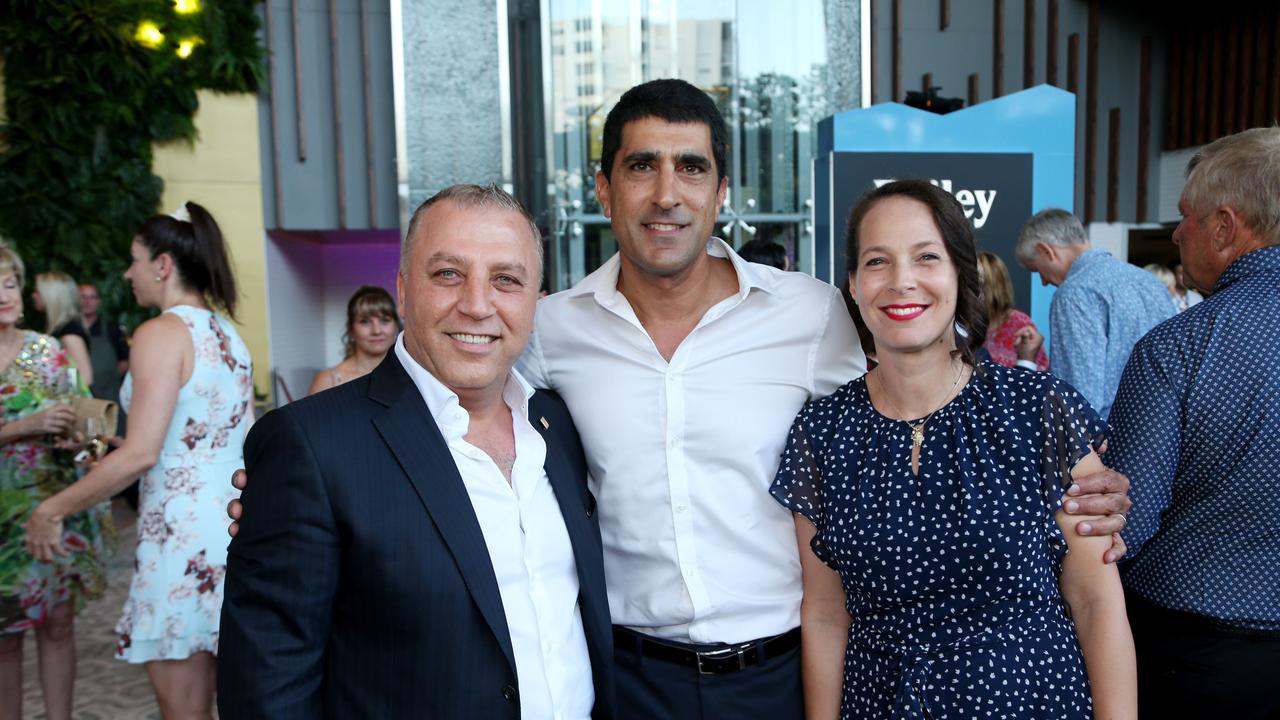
<point x="529" y="547"/>
<point x="682" y="454"/>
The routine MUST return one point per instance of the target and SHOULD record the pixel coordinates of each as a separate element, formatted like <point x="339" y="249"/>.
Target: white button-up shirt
<point x="682" y="454"/>
<point x="529" y="547"/>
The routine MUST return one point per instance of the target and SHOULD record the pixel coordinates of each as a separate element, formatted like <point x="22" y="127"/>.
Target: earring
<point x="158" y="279"/>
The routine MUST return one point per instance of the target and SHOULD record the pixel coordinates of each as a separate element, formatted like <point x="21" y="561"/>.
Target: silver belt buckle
<point x="740" y="651"/>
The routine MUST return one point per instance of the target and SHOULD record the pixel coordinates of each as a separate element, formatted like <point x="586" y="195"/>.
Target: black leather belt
<point x="713" y="661"/>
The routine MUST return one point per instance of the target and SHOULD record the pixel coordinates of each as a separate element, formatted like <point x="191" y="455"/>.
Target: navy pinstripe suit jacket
<point x="359" y="584"/>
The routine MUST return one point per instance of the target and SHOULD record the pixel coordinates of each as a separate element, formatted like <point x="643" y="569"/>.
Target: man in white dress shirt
<point x="683" y="367"/>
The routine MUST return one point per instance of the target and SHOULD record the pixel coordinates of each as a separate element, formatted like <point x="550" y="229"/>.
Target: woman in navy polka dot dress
<point x="927" y="494"/>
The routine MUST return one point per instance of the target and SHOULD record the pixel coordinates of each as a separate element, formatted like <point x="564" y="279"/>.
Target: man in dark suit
<point x="422" y="541"/>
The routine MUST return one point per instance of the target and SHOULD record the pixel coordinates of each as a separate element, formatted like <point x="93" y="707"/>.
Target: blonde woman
<point x="40" y="596"/>
<point x="58" y="297"/>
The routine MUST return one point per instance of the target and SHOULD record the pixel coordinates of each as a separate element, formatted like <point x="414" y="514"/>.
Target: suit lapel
<point x="413" y="437"/>
<point x="575" y="503"/>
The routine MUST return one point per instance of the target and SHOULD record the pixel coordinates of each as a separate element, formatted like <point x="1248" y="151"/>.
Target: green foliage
<point x="84" y="102"/>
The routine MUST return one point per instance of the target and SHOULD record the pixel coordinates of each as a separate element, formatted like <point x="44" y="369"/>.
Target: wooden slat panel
<point x="1231" y="77"/>
<point x="297" y="82"/>
<point x="974" y="95"/>
<point x="1073" y="64"/>
<point x="875" y="61"/>
<point x="1029" y="44"/>
<point x="1203" y="40"/>
<point x="944" y="15"/>
<point x="1144" y="126"/>
<point x="1273" y="103"/>
<point x="335" y="72"/>
<point x="1186" y="124"/>
<point x="1173" y="116"/>
<point x="1262" y="65"/>
<point x="276" y="188"/>
<point x="1091" y="113"/>
<point x="1217" y="81"/>
<point x="1244" y="95"/>
<point x="997" y="50"/>
<point x="1113" y="165"/>
<point x="897" y="51"/>
<point x="1275" y="67"/>
<point x="372" y="179"/>
<point x="1051" y="44"/>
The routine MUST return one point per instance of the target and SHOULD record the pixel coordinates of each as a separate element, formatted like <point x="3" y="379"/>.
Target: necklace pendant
<point x="917" y="436"/>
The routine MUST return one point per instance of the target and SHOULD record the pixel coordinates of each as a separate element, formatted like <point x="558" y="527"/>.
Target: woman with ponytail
<point x="189" y="394"/>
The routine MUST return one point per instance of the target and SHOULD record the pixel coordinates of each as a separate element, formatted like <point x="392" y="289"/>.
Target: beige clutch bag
<point x="95" y="417"/>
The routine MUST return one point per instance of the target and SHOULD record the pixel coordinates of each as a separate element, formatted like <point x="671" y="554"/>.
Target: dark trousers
<point x="651" y="689"/>
<point x="1191" y="667"/>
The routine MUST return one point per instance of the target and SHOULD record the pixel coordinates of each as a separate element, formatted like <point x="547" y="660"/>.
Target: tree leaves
<point x="84" y="104"/>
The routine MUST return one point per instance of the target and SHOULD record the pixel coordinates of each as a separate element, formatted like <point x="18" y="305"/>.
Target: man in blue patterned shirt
<point x="1102" y="306"/>
<point x="1196" y="427"/>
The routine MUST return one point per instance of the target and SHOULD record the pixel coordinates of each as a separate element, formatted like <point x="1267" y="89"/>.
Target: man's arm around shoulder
<point x="282" y="572"/>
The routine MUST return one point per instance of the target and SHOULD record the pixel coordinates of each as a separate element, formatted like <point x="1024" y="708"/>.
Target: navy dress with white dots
<point x="951" y="576"/>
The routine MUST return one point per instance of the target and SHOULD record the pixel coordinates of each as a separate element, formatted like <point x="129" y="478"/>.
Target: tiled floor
<point x="106" y="688"/>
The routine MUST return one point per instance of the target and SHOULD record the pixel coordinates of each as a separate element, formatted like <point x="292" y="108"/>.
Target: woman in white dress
<point x="189" y="394"/>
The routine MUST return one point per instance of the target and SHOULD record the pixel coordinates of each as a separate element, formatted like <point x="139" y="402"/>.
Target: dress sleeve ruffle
<point x="798" y="484"/>
<point x="1072" y="430"/>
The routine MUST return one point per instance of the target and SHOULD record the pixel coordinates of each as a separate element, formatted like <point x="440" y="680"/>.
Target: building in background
<point x="373" y="105"/>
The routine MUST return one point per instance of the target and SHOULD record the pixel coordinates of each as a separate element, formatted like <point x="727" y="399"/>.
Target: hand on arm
<point x="55" y="420"/>
<point x="1097" y="502"/>
<point x="157" y="378"/>
<point x="1092" y="590"/>
<point x="824" y="629"/>
<point x="235" y="508"/>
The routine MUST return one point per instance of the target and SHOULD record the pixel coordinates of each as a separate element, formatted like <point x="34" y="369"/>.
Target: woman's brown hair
<point x="957" y="236"/>
<point x="198" y="252"/>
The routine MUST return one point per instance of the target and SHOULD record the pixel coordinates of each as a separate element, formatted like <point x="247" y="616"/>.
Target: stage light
<point x="148" y="34"/>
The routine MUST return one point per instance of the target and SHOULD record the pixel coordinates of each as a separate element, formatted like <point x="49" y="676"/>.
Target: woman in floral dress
<point x="40" y="596"/>
<point x="189" y="394"/>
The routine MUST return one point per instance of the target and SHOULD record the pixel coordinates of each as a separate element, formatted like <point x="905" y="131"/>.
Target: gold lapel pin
<point x="545" y="425"/>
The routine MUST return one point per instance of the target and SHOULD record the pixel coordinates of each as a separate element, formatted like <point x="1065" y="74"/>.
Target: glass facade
<point x="764" y="63"/>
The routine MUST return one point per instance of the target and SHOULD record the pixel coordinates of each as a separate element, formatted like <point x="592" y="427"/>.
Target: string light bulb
<point x="186" y="7"/>
<point x="148" y="34"/>
<point x="186" y="47"/>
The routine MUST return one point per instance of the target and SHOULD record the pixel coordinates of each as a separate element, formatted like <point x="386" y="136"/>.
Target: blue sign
<point x="981" y="151"/>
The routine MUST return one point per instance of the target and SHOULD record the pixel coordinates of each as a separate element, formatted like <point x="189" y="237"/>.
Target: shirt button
<point x="681" y="508"/>
<point x="675" y="442"/>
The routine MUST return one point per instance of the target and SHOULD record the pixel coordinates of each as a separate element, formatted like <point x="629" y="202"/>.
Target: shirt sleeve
<point x="1077" y="321"/>
<point x="532" y="365"/>
<point x="837" y="352"/>
<point x="1146" y="441"/>
<point x="798" y="483"/>
<point x="1072" y="430"/>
